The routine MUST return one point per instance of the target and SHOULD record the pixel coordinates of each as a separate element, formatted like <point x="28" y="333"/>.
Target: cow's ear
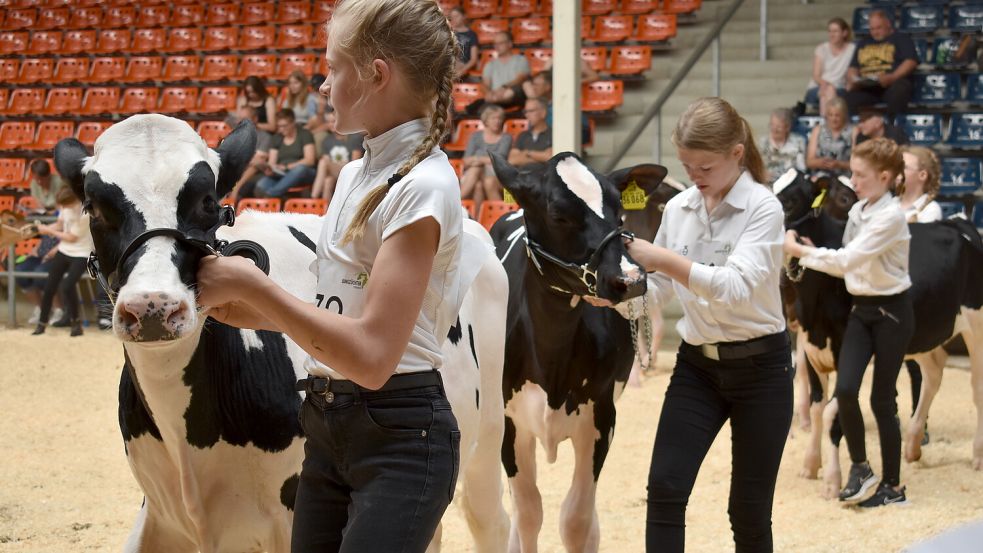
<point x="235" y="152"/>
<point x="506" y="173"/>
<point x="70" y="156"/>
<point x="647" y="175"/>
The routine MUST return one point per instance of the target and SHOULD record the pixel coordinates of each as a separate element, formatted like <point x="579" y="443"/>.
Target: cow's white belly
<point x="529" y="409"/>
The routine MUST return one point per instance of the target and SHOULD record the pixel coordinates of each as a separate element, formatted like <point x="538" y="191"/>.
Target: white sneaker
<point x="35" y="316"/>
<point x="56" y="315"/>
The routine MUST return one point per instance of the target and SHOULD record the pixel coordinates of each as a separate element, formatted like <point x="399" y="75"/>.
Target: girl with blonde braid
<point x="381" y="455"/>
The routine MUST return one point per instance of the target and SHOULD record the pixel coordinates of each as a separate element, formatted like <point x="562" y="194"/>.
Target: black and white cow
<point x="946" y="269"/>
<point x="566" y="362"/>
<point x="209" y="412"/>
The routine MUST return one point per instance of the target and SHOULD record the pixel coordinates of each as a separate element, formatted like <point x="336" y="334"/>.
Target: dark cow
<point x="566" y="362"/>
<point x="946" y="269"/>
<point x="209" y="412"/>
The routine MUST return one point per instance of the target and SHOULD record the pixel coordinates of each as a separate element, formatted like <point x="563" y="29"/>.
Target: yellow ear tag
<point x="633" y="197"/>
<point x="818" y="202"/>
<point x="507" y="197"/>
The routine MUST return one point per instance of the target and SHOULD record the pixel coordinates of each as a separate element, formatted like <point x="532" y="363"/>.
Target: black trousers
<point x="897" y="96"/>
<point x="880" y="327"/>
<point x="63" y="274"/>
<point x="379" y="471"/>
<point x="756" y="395"/>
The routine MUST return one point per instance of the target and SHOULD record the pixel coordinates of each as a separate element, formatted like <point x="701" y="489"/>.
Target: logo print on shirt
<point x="358" y="282"/>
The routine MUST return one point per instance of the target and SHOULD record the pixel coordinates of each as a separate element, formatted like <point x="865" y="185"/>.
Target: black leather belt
<point x="727" y="351"/>
<point x="404" y="381"/>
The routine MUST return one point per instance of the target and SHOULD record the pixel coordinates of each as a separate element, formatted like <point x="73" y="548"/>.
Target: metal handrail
<point x="656" y="106"/>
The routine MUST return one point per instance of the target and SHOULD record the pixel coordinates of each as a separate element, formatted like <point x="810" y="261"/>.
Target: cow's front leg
<point x="579" y="526"/>
<point x="817" y="389"/>
<point x="519" y="458"/>
<point x="481" y="494"/>
<point x="832" y="475"/>
<point x="974" y="343"/>
<point x="931" y="365"/>
<point x="803" y="392"/>
<point x="150" y="534"/>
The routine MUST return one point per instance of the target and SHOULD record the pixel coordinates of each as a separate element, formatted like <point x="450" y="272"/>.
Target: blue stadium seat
<point x="967" y="18"/>
<point x="862" y="14"/>
<point x="934" y="89"/>
<point x="942" y="53"/>
<point x="805" y="123"/>
<point x="921" y="19"/>
<point x="978" y="215"/>
<point x="951" y="208"/>
<point x="921" y="48"/>
<point x="922" y="129"/>
<point x="960" y="175"/>
<point x="974" y="90"/>
<point x="966" y="131"/>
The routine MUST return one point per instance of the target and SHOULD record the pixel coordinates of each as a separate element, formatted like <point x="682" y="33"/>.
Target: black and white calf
<point x="566" y="362"/>
<point x="208" y="412"/>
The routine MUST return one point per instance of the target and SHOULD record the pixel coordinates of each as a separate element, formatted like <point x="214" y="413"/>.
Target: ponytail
<point x="752" y="157"/>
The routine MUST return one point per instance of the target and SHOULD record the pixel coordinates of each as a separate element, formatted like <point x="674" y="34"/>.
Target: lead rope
<point x="644" y="360"/>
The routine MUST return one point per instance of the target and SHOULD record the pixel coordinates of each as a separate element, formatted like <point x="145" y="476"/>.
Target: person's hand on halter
<point x="224" y="286"/>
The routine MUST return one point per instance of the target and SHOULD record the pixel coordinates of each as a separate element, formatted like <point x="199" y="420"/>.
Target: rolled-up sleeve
<point x="874" y="238"/>
<point x="757" y="253"/>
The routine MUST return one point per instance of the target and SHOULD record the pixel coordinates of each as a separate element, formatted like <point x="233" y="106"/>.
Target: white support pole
<point x="566" y="77"/>
<point x="763" y="37"/>
<point x="716" y="66"/>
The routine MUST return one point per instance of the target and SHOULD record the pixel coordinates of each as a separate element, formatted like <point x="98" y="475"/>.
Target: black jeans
<point x="63" y="273"/>
<point x="379" y="470"/>
<point x="756" y="395"/>
<point x="879" y="326"/>
<point x="895" y="96"/>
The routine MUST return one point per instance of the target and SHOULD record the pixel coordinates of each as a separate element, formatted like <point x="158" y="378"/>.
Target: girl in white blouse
<point x="719" y="249"/>
<point x="874" y="263"/>
<point x="920" y="185"/>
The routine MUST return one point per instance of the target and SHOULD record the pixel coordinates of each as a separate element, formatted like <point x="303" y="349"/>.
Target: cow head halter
<point x="574" y="279"/>
<point x="206" y="242"/>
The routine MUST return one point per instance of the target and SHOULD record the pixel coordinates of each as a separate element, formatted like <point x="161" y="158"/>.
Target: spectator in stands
<point x="478" y="180"/>
<point x="336" y="150"/>
<point x="45" y="184"/>
<point x="830" y="142"/>
<point x="503" y="76"/>
<point x="532" y="87"/>
<point x="246" y="183"/>
<point x="541" y="86"/>
<point x="38" y="260"/>
<point x="68" y="263"/>
<point x="829" y="65"/>
<point x="780" y="149"/>
<point x="292" y="158"/>
<point x="920" y="186"/>
<point x="466" y="39"/>
<point x="534" y="146"/>
<point x="299" y="99"/>
<point x="872" y="125"/>
<point x="254" y="93"/>
<point x="881" y="68"/>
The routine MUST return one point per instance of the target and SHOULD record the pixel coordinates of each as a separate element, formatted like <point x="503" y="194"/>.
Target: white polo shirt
<point x="874" y="258"/>
<point x="344" y="271"/>
<point x="737" y="260"/>
<point x="924" y="210"/>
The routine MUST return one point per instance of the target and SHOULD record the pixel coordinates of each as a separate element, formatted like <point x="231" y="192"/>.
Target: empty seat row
<point x="111" y="100"/>
<point x="620" y="61"/>
<point x="963" y="130"/>
<point x="604" y="28"/>
<point x="476" y="9"/>
<point x="216" y="67"/>
<point x="177" y="39"/>
<point x="924" y="18"/>
<point x="942" y="89"/>
<point x="123" y="16"/>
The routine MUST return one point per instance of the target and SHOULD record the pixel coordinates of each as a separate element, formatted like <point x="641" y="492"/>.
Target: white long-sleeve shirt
<point x="737" y="259"/>
<point x="924" y="210"/>
<point x="874" y="258"/>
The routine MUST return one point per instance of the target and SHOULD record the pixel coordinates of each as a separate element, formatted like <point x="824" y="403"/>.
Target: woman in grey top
<point x="478" y="180"/>
<point x="830" y="143"/>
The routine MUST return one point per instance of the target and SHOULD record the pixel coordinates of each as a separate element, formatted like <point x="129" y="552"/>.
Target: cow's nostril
<point x="129" y="316"/>
<point x="179" y="316"/>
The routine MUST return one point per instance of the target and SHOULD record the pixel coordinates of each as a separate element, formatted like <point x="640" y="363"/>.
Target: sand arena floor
<point x="66" y="485"/>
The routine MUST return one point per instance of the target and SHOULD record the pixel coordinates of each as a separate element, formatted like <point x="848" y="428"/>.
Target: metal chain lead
<point x="644" y="362"/>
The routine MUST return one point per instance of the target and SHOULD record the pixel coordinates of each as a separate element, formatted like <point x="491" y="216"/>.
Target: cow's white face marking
<point x="630" y="270"/>
<point x="582" y="183"/>
<point x="783" y="181"/>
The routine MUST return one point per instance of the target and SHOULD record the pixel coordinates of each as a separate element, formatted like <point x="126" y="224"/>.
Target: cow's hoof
<point x="913" y="448"/>
<point x="810" y="467"/>
<point x="977" y="463"/>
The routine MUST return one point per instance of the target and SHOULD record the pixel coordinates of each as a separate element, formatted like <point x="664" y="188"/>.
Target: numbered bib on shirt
<point x="633" y="197"/>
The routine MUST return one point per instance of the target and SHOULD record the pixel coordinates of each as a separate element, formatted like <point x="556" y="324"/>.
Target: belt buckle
<point x="327" y="393"/>
<point x="710" y="351"/>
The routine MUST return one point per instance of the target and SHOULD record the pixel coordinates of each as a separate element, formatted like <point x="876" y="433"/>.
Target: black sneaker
<point x="860" y="480"/>
<point x="38" y="329"/>
<point x="63" y="322"/>
<point x="885" y="495"/>
<point x="76" y="328"/>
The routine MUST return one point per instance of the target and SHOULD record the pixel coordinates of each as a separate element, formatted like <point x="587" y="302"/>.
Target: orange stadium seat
<point x="77" y="42"/>
<point x="181" y="68"/>
<point x="681" y="6"/>
<point x="14" y="135"/>
<point x="458" y="165"/>
<point x="119" y="16"/>
<point x="516" y="126"/>
<point x="531" y="30"/>
<point x="45" y="42"/>
<point x="50" y="132"/>
<point x="33" y="70"/>
<point x="595" y="56"/>
<point x="177" y="99"/>
<point x="466" y="93"/>
<point x="465" y="129"/>
<point x="222" y="14"/>
<point x="260" y="65"/>
<point x="100" y="100"/>
<point x="602" y="96"/>
<point x="631" y="60"/>
<point x="293" y="12"/>
<point x="213" y="132"/>
<point x="106" y="69"/>
<point x="476" y="9"/>
<point x="219" y="38"/>
<point x="545" y="8"/>
<point x="655" y="27"/>
<point x="4" y="98"/>
<point x="256" y="12"/>
<point x="13" y="42"/>
<point x="111" y="41"/>
<point x="143" y="68"/>
<point x="538" y="58"/>
<point x="186" y="15"/>
<point x="7" y="203"/>
<point x="88" y="131"/>
<point x="446" y="5"/>
<point x="25" y="100"/>
<point x="87" y="17"/>
<point x="314" y="206"/>
<point x="271" y="205"/>
<point x="517" y="8"/>
<point x="215" y="99"/>
<point x="638" y="7"/>
<point x="219" y="67"/>
<point x="28" y="205"/>
<point x="139" y="100"/>
<point x="53" y="18"/>
<point x="466" y="204"/>
<point x="183" y="39"/>
<point x="293" y="36"/>
<point x="153" y="16"/>
<point x="612" y="28"/>
<point x="12" y="171"/>
<point x="321" y="13"/>
<point x="9" y="69"/>
<point x="486" y="29"/>
<point x="148" y="40"/>
<point x="586" y="27"/>
<point x="71" y="70"/>
<point x="484" y="56"/>
<point x="598" y="7"/>
<point x="292" y="62"/>
<point x="21" y="19"/>
<point x="492" y="210"/>
<point x="259" y="37"/>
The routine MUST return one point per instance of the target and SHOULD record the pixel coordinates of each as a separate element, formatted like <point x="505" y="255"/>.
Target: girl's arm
<point x="874" y="238"/>
<point x="309" y="156"/>
<point x="270" y="107"/>
<point x="813" y="161"/>
<point x="817" y="68"/>
<point x="366" y="349"/>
